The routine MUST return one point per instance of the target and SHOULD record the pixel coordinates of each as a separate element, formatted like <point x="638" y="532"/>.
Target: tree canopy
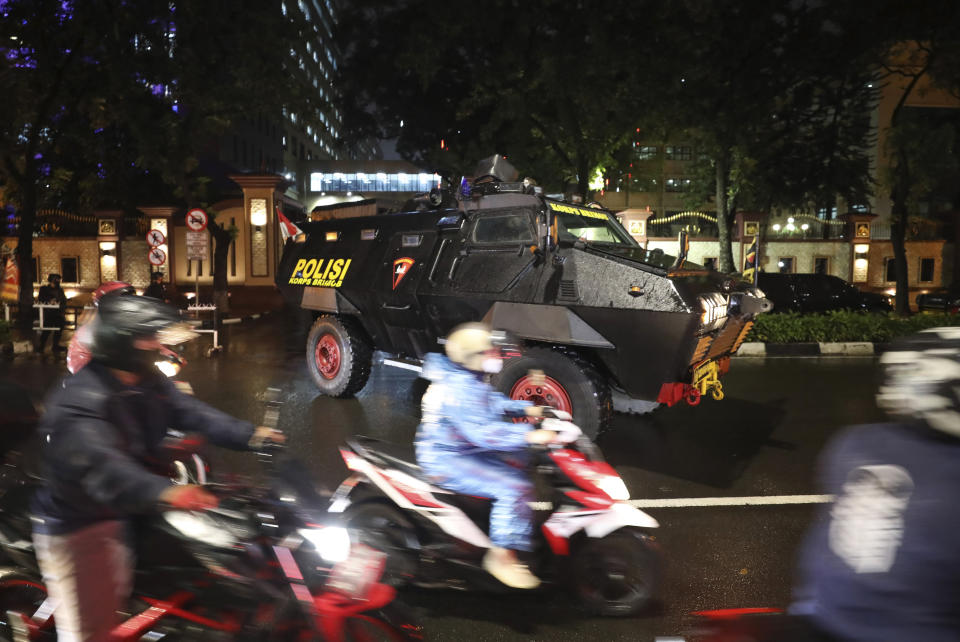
<point x="777" y="94"/>
<point x="110" y="102"/>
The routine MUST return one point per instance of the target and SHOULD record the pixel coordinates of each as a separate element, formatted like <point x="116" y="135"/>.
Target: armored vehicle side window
<point x="596" y="229"/>
<point x="511" y="227"/>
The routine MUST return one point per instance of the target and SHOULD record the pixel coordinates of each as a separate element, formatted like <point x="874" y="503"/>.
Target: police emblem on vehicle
<point x="400" y="268"/>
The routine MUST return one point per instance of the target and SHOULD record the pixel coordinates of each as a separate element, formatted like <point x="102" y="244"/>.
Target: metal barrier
<point x="215" y="330"/>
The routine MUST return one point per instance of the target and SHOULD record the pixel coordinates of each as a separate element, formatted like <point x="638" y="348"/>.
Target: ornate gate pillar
<point x="259" y="225"/>
<point x="858" y="234"/>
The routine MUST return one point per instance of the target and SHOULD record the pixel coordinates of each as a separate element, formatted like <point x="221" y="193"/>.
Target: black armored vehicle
<point x="604" y="319"/>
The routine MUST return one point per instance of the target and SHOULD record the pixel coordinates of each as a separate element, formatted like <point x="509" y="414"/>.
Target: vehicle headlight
<point x="715" y="308"/>
<point x="614" y="487"/>
<point x="331" y="542"/>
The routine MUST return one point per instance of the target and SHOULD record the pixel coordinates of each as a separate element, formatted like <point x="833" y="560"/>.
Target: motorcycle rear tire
<point x="617" y="575"/>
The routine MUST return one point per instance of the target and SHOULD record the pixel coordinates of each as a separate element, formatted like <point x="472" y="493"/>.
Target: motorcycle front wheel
<point x="383" y="527"/>
<point x="618" y="575"/>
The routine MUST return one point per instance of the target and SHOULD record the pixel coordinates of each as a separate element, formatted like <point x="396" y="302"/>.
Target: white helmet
<point x="471" y="345"/>
<point x="921" y="378"/>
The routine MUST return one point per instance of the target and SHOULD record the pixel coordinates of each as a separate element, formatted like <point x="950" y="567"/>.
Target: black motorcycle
<point x="266" y="564"/>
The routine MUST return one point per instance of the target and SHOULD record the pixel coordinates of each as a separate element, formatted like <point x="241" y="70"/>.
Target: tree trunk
<point x="898" y="237"/>
<point x="221" y="252"/>
<point x="583" y="180"/>
<point x="724" y="222"/>
<point x="28" y="215"/>
<point x="898" y="233"/>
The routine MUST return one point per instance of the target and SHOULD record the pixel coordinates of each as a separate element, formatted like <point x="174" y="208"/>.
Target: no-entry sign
<point x="157" y="256"/>
<point x="156" y="238"/>
<point x="196" y="220"/>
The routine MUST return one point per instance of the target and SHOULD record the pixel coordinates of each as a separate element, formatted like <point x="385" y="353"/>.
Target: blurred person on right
<point x="882" y="563"/>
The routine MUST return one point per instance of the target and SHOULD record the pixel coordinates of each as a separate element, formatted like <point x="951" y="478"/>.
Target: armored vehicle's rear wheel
<point x="339" y="356"/>
<point x="569" y="383"/>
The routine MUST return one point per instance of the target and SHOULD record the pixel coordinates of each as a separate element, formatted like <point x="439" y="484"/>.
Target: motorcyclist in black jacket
<point x="100" y="431"/>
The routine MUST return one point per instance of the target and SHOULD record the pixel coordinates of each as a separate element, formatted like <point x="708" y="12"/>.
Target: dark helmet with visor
<point x="122" y="320"/>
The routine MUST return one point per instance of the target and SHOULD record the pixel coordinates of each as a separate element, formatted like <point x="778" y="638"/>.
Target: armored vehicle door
<point x="403" y="266"/>
<point x="496" y="256"/>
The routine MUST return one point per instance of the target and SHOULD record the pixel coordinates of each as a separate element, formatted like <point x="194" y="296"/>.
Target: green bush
<point x="4" y="331"/>
<point x="837" y="326"/>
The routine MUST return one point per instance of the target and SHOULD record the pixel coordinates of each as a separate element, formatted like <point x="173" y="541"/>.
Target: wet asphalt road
<point x="762" y="440"/>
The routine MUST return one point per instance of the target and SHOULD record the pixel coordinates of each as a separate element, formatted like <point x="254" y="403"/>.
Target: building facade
<point x="851" y="241"/>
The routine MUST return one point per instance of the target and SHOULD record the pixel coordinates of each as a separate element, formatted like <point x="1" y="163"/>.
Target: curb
<point x="848" y="349"/>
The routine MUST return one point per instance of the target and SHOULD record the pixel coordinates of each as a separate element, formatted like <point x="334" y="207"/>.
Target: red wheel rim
<point x="549" y="392"/>
<point x="327" y="356"/>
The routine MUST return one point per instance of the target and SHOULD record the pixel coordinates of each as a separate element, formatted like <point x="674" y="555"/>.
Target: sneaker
<point x="503" y="565"/>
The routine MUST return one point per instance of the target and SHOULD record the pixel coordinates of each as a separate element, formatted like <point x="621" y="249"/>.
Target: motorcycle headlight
<point x="168" y="368"/>
<point x="331" y="542"/>
<point x="613" y="487"/>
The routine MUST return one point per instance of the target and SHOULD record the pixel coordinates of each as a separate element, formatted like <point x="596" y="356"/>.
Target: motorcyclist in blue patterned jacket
<point x="466" y="430"/>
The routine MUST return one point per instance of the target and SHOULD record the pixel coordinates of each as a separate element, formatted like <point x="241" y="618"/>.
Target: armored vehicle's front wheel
<point x="568" y="383"/>
<point x="339" y="356"/>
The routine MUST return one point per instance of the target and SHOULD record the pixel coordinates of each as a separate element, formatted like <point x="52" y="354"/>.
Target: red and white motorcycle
<point x="589" y="539"/>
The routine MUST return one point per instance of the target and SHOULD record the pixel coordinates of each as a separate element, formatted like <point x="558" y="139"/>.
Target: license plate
<point x="355" y="575"/>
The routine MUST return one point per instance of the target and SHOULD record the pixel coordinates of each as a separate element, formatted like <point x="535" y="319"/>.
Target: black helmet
<point x="121" y="320"/>
<point x="921" y="378"/>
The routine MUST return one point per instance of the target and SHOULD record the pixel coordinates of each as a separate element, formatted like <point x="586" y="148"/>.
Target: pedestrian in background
<point x="157" y="289"/>
<point x="52" y="317"/>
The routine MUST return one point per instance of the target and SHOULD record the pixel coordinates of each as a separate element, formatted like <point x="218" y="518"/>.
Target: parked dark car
<point x="946" y="300"/>
<point x="809" y="293"/>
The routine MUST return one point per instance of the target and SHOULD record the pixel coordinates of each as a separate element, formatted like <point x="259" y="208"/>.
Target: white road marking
<point x="700" y="502"/>
<point x="760" y="500"/>
<point x="402" y="364"/>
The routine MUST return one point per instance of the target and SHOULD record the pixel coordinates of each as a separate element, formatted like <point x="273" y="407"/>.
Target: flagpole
<point x="756" y="266"/>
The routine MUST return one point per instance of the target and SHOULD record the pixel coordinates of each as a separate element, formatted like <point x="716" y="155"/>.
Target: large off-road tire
<point x="20" y="595"/>
<point x="618" y="575"/>
<point x="571" y="384"/>
<point x="383" y="527"/>
<point x="339" y="356"/>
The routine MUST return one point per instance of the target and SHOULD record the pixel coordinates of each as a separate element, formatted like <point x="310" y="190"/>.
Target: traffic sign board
<point x="197" y="220"/>
<point x="156" y="238"/>
<point x="157" y="256"/>
<point x="198" y="246"/>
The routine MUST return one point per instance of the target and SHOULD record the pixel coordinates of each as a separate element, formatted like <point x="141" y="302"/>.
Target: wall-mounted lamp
<point x="108" y="260"/>
<point x="258" y="212"/>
